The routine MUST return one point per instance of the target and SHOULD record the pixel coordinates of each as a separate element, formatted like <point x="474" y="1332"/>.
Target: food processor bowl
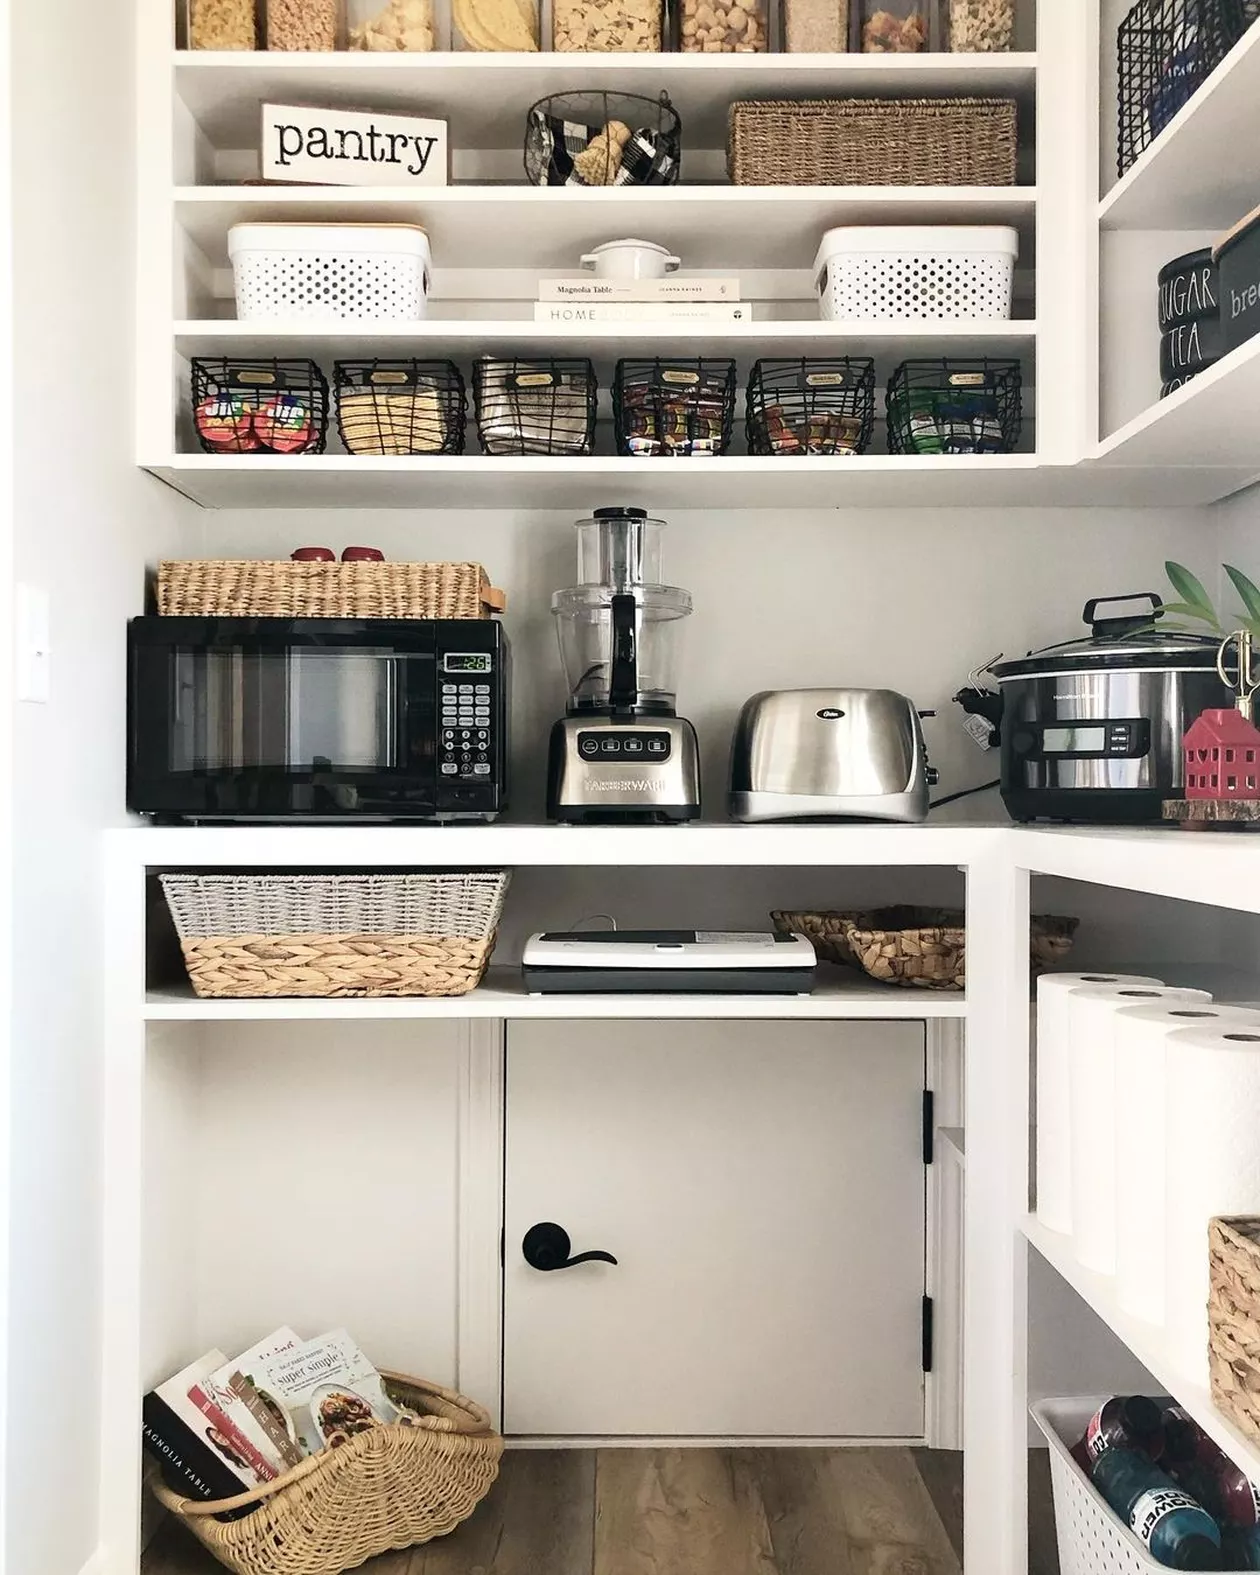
<point x="584" y="624"/>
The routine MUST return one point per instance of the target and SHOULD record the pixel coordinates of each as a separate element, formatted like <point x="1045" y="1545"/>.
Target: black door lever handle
<point x="547" y="1246"/>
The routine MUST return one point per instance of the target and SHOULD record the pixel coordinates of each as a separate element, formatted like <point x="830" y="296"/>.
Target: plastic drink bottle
<point x="1178" y="1531"/>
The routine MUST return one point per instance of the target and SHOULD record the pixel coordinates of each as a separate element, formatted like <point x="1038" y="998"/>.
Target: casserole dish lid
<point x="1129" y="641"/>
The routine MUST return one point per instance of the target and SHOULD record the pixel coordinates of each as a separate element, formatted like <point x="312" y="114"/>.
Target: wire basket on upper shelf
<point x="400" y="407"/>
<point x="954" y="406"/>
<point x="603" y="139"/>
<point x="535" y="407"/>
<point x="259" y="407"/>
<point x="1166" y="51"/>
<point x="811" y="406"/>
<point x="674" y="408"/>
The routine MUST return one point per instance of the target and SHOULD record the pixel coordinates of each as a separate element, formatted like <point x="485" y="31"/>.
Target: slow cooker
<point x="1091" y="730"/>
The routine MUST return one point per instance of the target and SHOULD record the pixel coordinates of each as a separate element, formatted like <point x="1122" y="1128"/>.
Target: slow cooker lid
<point x="1129" y="641"/>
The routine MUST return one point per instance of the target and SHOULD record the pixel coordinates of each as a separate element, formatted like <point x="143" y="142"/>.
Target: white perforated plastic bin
<point x="1092" y="1539"/>
<point x="330" y="272"/>
<point x="916" y="271"/>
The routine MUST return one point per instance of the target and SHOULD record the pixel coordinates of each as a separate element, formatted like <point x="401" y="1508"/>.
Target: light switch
<point x="33" y="656"/>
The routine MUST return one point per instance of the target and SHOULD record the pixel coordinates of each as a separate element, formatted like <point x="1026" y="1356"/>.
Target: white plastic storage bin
<point x="916" y="271"/>
<point x="330" y="272"/>
<point x="1092" y="1539"/>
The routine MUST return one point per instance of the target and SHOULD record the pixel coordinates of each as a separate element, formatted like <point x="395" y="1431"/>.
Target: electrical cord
<point x="950" y="798"/>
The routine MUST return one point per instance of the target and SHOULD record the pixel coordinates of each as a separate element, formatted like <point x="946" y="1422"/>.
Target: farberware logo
<point x="620" y="784"/>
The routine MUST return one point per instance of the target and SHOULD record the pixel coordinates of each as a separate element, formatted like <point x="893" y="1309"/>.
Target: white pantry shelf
<point x="838" y="995"/>
<point x="1203" y="170"/>
<point x="485" y="96"/>
<point x="1147" y="1342"/>
<point x="546" y="227"/>
<point x="1221" y="869"/>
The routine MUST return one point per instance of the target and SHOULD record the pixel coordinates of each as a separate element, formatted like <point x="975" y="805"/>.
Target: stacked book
<point x="673" y="299"/>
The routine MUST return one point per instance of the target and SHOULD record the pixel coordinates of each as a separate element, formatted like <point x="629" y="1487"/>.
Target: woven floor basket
<point x="874" y="142"/>
<point x="260" y="588"/>
<point x="335" y="935"/>
<point x="1234" y="1320"/>
<point x="924" y="948"/>
<point x="387" y="1488"/>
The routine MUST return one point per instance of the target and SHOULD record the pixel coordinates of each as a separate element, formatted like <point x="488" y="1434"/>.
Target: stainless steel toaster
<point x="856" y="754"/>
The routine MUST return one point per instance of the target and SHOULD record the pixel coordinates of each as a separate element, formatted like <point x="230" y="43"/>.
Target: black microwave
<point x="317" y="718"/>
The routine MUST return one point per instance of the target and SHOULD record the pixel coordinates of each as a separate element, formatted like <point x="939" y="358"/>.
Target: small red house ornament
<point x="1222" y="755"/>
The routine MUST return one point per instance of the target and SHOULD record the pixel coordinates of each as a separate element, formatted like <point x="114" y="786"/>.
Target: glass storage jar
<point x="813" y="27"/>
<point x="302" y="24"/>
<point x="724" y="27"/>
<point x="893" y="27"/>
<point x="499" y="25"/>
<point x="386" y="26"/>
<point x="981" y="26"/>
<point x="606" y="26"/>
<point x="222" y="24"/>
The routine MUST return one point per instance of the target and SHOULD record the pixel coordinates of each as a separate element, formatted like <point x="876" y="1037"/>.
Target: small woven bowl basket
<point x="921" y="948"/>
<point x="390" y="1487"/>
<point x="254" y="936"/>
<point x="1234" y="1320"/>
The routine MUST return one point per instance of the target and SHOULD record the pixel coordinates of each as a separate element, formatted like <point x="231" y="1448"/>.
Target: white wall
<point x="85" y="523"/>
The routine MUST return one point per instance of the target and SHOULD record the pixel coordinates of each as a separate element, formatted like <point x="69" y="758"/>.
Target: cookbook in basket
<point x="265" y="936"/>
<point x="388" y="1487"/>
<point x="263" y="588"/>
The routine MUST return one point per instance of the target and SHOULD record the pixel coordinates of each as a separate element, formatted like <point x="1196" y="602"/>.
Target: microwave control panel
<point x="466" y="741"/>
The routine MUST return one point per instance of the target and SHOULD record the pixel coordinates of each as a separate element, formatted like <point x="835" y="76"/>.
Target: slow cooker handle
<point x="1129" y="623"/>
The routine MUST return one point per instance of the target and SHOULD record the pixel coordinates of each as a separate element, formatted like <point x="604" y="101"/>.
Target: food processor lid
<point x="654" y="601"/>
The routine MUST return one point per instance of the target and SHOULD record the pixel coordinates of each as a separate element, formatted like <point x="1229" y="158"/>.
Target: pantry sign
<point x="341" y="147"/>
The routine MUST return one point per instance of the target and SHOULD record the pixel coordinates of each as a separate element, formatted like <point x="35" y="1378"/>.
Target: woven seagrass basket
<point x="1234" y="1320"/>
<point x="335" y="935"/>
<point x="923" y="948"/>
<point x="389" y="1487"/>
<point x="873" y="142"/>
<point x="262" y="588"/>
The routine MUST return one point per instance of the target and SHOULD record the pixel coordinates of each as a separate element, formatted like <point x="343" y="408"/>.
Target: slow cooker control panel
<point x="1125" y="738"/>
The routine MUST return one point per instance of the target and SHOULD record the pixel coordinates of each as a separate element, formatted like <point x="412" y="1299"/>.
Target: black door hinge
<point x="503" y="1249"/>
<point x="929" y="1126"/>
<point x="927" y="1334"/>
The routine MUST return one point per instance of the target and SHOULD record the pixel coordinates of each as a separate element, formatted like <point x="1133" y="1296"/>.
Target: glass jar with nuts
<point x="895" y="27"/>
<point x="386" y="26"/>
<point x="303" y="24"/>
<point x="606" y="26"/>
<point x="723" y="27"/>
<point x="984" y="26"/>
<point x="222" y="24"/>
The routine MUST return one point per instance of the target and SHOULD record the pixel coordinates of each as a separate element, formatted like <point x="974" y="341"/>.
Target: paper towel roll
<point x="1213" y="1168"/>
<point x="1092" y="1011"/>
<point x="1141" y="1034"/>
<point x="1054" y="1100"/>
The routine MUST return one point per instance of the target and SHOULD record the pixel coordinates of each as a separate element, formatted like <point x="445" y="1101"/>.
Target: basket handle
<point x="494" y="599"/>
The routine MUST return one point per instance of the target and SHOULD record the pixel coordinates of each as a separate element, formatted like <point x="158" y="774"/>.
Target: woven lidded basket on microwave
<point x="874" y="142"/>
<point x="263" y="588"/>
<point x="335" y="935"/>
<point x="1234" y="1320"/>
<point x="388" y="1487"/>
<point x="924" y="948"/>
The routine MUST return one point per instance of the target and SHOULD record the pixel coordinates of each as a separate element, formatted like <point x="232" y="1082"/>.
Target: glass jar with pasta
<point x="222" y="24"/>
<point x="303" y="24"/>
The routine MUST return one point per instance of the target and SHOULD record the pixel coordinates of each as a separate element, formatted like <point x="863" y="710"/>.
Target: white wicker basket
<point x="1092" y="1539"/>
<point x="330" y="272"/>
<point x="916" y="271"/>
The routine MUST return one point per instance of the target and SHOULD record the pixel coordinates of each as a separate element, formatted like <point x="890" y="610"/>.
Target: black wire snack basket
<point x="674" y="408"/>
<point x="811" y="406"/>
<point x="400" y="407"/>
<point x="1167" y="49"/>
<point x="603" y="139"/>
<point x="535" y="407"/>
<point x="954" y="407"/>
<point x="259" y="407"/>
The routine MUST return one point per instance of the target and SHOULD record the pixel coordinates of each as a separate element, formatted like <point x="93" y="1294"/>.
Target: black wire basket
<point x="400" y="407"/>
<point x="674" y="408"/>
<point x="954" y="407"/>
<point x="259" y="407"/>
<point x="811" y="406"/>
<point x="603" y="139"/>
<point x="1167" y="49"/>
<point x="535" y="407"/>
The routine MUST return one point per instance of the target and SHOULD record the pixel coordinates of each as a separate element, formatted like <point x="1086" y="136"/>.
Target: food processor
<point x="621" y="753"/>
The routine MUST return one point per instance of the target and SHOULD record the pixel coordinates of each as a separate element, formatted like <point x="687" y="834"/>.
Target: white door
<point x="761" y="1186"/>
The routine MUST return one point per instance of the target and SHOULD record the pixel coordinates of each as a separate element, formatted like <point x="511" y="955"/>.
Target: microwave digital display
<point x="467" y="662"/>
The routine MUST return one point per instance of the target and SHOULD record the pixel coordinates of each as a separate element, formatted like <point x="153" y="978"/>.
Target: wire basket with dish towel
<point x="923" y="948"/>
<point x="247" y="936"/>
<point x="389" y="1487"/>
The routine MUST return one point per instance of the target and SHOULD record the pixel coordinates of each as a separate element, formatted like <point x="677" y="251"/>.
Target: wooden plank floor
<point x="677" y="1512"/>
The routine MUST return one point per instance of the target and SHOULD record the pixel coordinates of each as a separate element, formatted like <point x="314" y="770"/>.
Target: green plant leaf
<point x="1247" y="591"/>
<point x="1186" y="610"/>
<point x="1191" y="592"/>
